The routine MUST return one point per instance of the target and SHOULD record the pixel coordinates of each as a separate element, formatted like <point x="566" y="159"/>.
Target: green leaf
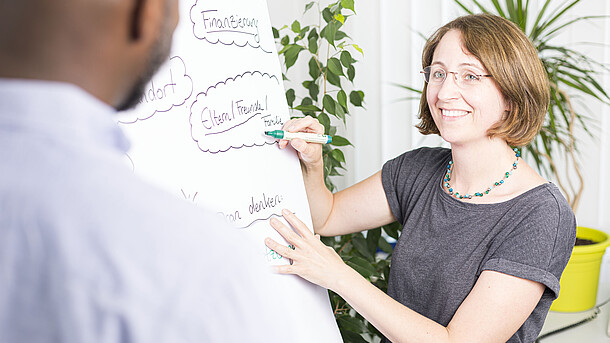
<point x="330" y="32"/>
<point x="307" y="101"/>
<point x="313" y="34"/>
<point x="338" y="156"/>
<point x="340" y="141"/>
<point x="314" y="68"/>
<point x="367" y="273"/>
<point x="309" y="6"/>
<point x="312" y="45"/>
<point x="329" y="104"/>
<point x="358" y="48"/>
<point x="333" y="79"/>
<point x="392" y="230"/>
<point x="559" y="28"/>
<point x="327" y="15"/>
<point x="360" y="244"/>
<point x="352" y="337"/>
<point x="385" y="246"/>
<point x="340" y="112"/>
<point x="411" y="89"/>
<point x="290" y="97"/>
<point x="536" y="27"/>
<point x="372" y="239"/>
<point x="303" y="32"/>
<point x="386" y="274"/>
<point x="350" y="323"/>
<point x="325" y="121"/>
<point x="555" y="17"/>
<point x="342" y="98"/>
<point x="362" y="266"/>
<point x="339" y="36"/>
<point x="276" y="33"/>
<point x="285" y="40"/>
<point x="346" y="58"/>
<point x="351" y="73"/>
<point x="334" y="172"/>
<point x="466" y="9"/>
<point x="296" y="27"/>
<point x="314" y="90"/>
<point x="349" y="4"/>
<point x="310" y="108"/>
<point x="496" y="5"/>
<point x="332" y="131"/>
<point x="334" y="65"/>
<point x="291" y="55"/>
<point x="356" y="98"/>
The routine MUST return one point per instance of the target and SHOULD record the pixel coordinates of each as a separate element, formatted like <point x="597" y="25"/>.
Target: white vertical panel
<point x="285" y="12"/>
<point x="589" y="157"/>
<point x="603" y="201"/>
<point x="366" y="124"/>
<point x="396" y="66"/>
<point x="427" y="18"/>
<point x="593" y="210"/>
<point x="603" y="205"/>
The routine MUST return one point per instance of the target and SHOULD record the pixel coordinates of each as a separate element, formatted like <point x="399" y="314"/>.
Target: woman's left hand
<point x="310" y="259"/>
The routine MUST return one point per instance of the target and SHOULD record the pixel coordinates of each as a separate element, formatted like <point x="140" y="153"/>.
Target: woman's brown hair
<point x="509" y="56"/>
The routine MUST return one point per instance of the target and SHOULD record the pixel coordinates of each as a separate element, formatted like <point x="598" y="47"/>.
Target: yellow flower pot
<point x="580" y="279"/>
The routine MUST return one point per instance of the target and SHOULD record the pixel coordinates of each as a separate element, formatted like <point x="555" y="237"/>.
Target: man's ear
<point x="137" y="20"/>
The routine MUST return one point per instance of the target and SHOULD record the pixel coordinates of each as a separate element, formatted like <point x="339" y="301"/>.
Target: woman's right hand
<point x="310" y="154"/>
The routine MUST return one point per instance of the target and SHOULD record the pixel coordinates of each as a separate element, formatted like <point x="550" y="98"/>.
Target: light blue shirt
<point x="91" y="253"/>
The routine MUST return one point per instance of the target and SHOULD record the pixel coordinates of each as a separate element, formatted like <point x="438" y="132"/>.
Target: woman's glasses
<point x="464" y="78"/>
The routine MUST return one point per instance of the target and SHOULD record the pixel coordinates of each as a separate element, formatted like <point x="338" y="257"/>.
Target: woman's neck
<point x="478" y="166"/>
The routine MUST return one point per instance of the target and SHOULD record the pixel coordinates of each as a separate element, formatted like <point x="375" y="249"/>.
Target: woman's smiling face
<point x="463" y="113"/>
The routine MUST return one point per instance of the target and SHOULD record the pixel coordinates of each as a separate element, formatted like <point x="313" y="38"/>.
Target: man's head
<point x="110" y="48"/>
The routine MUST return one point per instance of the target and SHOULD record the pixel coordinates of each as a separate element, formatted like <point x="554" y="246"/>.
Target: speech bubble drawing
<point x="170" y="87"/>
<point x="227" y="27"/>
<point x="234" y="113"/>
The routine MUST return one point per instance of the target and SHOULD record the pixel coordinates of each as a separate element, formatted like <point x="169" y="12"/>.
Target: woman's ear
<point x="508" y="106"/>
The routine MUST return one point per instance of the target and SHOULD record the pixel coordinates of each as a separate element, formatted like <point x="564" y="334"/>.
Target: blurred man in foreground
<point x="89" y="252"/>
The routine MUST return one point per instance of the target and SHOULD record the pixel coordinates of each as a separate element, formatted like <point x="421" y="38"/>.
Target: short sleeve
<point x="539" y="244"/>
<point x="390" y="182"/>
<point x="409" y="174"/>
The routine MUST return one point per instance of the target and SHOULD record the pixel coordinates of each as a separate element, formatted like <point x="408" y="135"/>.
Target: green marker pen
<point x="307" y="137"/>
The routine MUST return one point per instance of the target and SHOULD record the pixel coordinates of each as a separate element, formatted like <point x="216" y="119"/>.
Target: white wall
<point x="388" y="33"/>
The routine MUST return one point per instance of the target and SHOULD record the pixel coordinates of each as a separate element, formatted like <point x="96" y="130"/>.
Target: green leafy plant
<point x="573" y="77"/>
<point x="329" y="56"/>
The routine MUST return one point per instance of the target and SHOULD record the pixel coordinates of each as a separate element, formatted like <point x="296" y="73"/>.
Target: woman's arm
<point x="357" y="208"/>
<point x="493" y="311"/>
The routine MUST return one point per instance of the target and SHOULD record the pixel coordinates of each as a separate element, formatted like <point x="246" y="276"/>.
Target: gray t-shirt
<point x="446" y="243"/>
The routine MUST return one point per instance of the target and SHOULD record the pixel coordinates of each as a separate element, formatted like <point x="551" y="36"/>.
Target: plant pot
<point x="580" y="279"/>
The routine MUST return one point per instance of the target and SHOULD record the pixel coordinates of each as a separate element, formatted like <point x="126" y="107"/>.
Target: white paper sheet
<point x="198" y="132"/>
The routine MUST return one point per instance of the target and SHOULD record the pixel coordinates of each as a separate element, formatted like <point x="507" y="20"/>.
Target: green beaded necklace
<point x="478" y="194"/>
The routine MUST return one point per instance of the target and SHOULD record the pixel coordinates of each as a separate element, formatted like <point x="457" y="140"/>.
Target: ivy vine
<point x="329" y="56"/>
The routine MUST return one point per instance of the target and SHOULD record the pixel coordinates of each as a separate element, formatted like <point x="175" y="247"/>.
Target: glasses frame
<point x="455" y="76"/>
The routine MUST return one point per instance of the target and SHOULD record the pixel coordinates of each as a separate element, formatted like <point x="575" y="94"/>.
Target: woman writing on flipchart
<point x="485" y="238"/>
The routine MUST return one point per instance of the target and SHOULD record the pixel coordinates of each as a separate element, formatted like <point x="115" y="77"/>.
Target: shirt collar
<point x="62" y="110"/>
